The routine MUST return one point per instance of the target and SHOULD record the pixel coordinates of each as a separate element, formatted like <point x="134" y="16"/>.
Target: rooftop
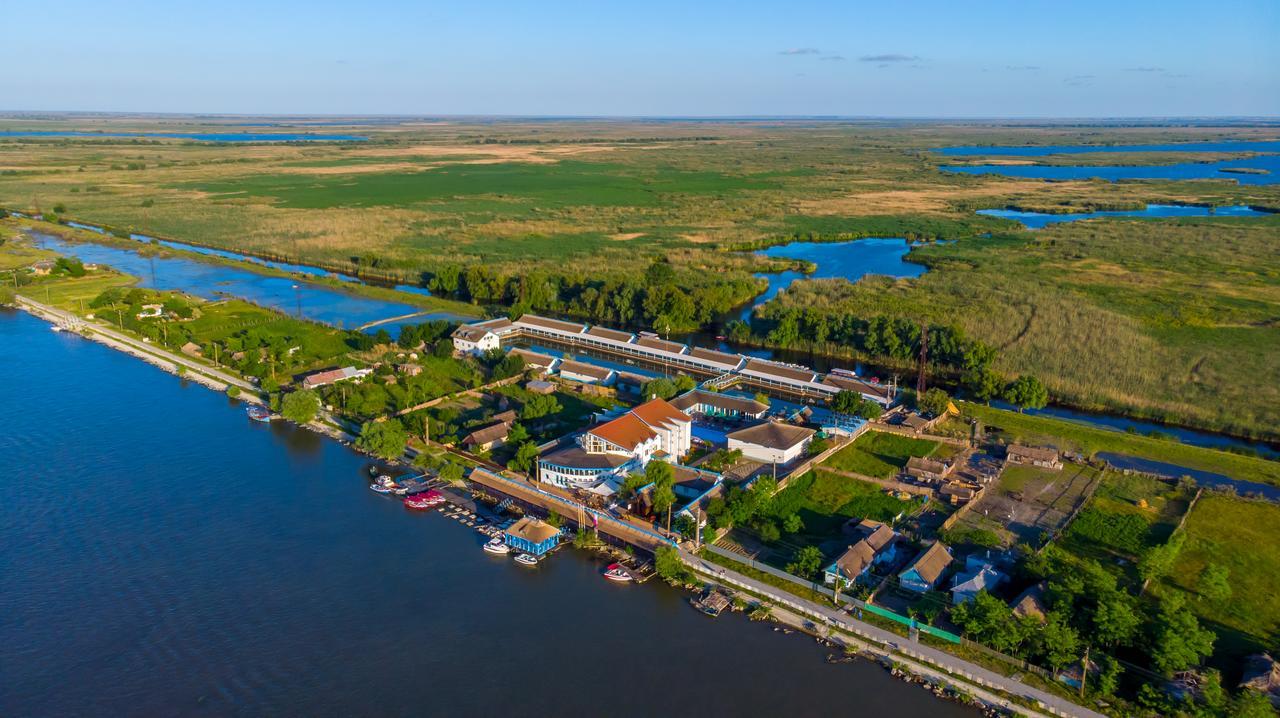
<point x="545" y="323"/>
<point x="728" y="361"/>
<point x="584" y="369"/>
<point x="533" y="530"/>
<point x="729" y="402"/>
<point x="858" y="385"/>
<point x="657" y="412"/>
<point x="492" y="432"/>
<point x="613" y="334"/>
<point x="772" y="434"/>
<point x="930" y="564"/>
<point x="573" y="457"/>
<point x="1036" y="453"/>
<point x="627" y="431"/>
<point x="662" y="344"/>
<point x="783" y="371"/>
<point x="532" y="358"/>
<point x="931" y="466"/>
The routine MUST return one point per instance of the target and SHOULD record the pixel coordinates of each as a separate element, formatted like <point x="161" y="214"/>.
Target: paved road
<point x="120" y="338"/>
<point x="1050" y="702"/>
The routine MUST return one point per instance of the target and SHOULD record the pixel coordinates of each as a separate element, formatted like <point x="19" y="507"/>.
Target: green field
<point x="1126" y="516"/>
<point x="1241" y="536"/>
<point x="1075" y="437"/>
<point x="825" y="501"/>
<point x="880" y="454"/>
<point x="1171" y="319"/>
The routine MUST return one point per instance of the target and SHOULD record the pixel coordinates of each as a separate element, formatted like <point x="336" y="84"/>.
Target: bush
<point x="233" y="391"/>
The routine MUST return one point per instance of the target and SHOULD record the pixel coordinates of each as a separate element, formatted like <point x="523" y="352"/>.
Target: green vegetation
<point x="880" y="454"/>
<point x="1126" y="517"/>
<point x="300" y="406"/>
<point x="384" y="439"/>
<point x="1075" y="437"/>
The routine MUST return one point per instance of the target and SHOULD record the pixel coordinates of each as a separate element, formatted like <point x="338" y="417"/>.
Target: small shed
<point x="533" y="536"/>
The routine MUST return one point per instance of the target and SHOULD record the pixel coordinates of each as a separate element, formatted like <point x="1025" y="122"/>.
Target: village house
<point x="700" y="402"/>
<point x="487" y="438"/>
<point x="958" y="493"/>
<point x="603" y="455"/>
<point x="978" y="576"/>
<point x="150" y="311"/>
<point x="1044" y="457"/>
<point x="916" y="423"/>
<point x="191" y="349"/>
<point x="538" y="386"/>
<point x="926" y="471"/>
<point x="536" y="360"/>
<point x="876" y="545"/>
<point x="584" y="373"/>
<point x="42" y="268"/>
<point x="532" y="536"/>
<point x="771" y="442"/>
<point x="474" y="339"/>
<point x="318" y="379"/>
<point x="1031" y="602"/>
<point x="925" y="570"/>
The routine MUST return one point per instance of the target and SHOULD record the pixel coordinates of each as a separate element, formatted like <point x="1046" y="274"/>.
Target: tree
<point x="793" y="524"/>
<point x="1158" y="561"/>
<point x="517" y="434"/>
<point x="1253" y="704"/>
<point x="384" y="439"/>
<point x="450" y="472"/>
<point x="1115" y="619"/>
<point x="855" y="404"/>
<point x="526" y="454"/>
<point x="1214" y="583"/>
<point x="508" y="366"/>
<point x="1108" y="678"/>
<point x="1026" y="392"/>
<point x="982" y="383"/>
<point x="806" y="562"/>
<point x="666" y="561"/>
<point x="661" y="388"/>
<point x="686" y="526"/>
<point x="663" y="478"/>
<point x="540" y="405"/>
<point x="933" y="402"/>
<point x="1058" y="642"/>
<point x="300" y="406"/>
<point x="1177" y="641"/>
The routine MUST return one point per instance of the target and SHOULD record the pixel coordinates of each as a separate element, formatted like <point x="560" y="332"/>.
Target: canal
<point x="150" y="570"/>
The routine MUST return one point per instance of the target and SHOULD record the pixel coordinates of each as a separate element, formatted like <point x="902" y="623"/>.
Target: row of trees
<point x="659" y="299"/>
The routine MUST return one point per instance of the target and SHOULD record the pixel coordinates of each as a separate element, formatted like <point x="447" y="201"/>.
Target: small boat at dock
<point x="385" y="485"/>
<point x="711" y="602"/>
<point x="498" y="546"/>
<point x="525" y="559"/>
<point x="618" y="572"/>
<point x="422" y="501"/>
<point x="258" y="413"/>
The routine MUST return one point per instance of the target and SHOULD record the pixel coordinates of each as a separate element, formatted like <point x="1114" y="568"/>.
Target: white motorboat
<point x="525" y="559"/>
<point x="498" y="546"/>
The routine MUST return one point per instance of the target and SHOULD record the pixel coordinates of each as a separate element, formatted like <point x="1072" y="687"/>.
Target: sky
<point x="914" y="58"/>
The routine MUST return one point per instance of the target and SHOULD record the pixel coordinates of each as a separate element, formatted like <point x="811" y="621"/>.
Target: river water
<point x="1040" y="220"/>
<point x="165" y="556"/>
<point x="214" y="281"/>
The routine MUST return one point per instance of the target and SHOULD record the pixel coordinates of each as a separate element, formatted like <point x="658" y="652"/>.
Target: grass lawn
<point x="825" y="501"/>
<point x="1126" y="516"/>
<point x="14" y="255"/>
<point x="1240" y="535"/>
<point x="880" y="454"/>
<point x="1070" y="436"/>
<point x="69" y="292"/>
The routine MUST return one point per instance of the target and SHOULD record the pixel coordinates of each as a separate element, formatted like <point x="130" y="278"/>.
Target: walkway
<point x="843" y="621"/>
<point x="124" y="342"/>
<point x="389" y="320"/>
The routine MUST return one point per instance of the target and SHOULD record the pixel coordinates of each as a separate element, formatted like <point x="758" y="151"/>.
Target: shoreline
<point x="175" y="365"/>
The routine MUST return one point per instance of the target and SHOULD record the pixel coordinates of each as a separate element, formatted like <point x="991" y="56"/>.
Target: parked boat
<point x="499" y="546"/>
<point x="419" y="501"/>
<point x="386" y="485"/>
<point x="55" y="328"/>
<point x="258" y="413"/>
<point x="525" y="559"/>
<point x="618" y="572"/>
<point x="711" y="602"/>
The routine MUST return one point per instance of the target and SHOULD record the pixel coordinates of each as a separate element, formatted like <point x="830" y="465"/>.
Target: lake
<point x="166" y="556"/>
<point x="851" y="260"/>
<point x="1268" y="165"/>
<point x="1042" y="150"/>
<point x="200" y="136"/>
<point x="1040" y="220"/>
<point x="216" y="281"/>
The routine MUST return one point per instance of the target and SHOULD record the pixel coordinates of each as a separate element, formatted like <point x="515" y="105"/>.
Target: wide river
<point x="165" y="556"/>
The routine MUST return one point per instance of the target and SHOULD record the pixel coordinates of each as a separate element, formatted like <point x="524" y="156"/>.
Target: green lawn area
<point x="1070" y="436"/>
<point x="15" y="255"/>
<point x="516" y="185"/>
<point x="825" y="501"/>
<point x="880" y="454"/>
<point x="1126" y="516"/>
<point x="68" y="292"/>
<point x="1240" y="535"/>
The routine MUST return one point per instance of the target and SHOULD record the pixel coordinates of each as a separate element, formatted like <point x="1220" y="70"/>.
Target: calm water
<point x="212" y="566"/>
<point x="1040" y="220"/>
<point x="1180" y="171"/>
<point x="850" y="260"/>
<point x="1203" y="478"/>
<point x="1042" y="150"/>
<point x="202" y="136"/>
<point x="214" y="281"/>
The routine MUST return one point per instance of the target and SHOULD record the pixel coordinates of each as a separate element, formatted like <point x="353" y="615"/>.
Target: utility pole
<point x="1084" y="670"/>
<point x="924" y="356"/>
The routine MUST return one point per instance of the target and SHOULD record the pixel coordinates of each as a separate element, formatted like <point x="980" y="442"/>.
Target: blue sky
<point x="921" y="58"/>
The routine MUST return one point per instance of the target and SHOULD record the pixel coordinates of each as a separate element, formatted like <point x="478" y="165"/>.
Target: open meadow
<point x="1173" y="319"/>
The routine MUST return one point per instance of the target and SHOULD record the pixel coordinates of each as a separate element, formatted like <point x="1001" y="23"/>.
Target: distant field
<point x="1172" y="319"/>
